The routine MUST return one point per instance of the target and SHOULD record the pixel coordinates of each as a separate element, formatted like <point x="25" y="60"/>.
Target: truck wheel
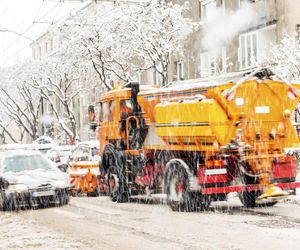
<point x="248" y="198"/>
<point x="95" y="193"/>
<point x="117" y="187"/>
<point x="179" y="198"/>
<point x="116" y="179"/>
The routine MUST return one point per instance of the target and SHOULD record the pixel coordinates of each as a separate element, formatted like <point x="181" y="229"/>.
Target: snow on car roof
<point x="43" y="141"/>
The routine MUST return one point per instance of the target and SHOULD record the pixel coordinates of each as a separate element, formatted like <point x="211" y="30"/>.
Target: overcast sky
<point x="30" y="18"/>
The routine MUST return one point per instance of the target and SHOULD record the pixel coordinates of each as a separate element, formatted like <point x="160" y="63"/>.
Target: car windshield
<point x="25" y="162"/>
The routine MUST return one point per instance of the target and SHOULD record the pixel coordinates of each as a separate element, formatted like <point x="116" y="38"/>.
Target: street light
<point x="17" y="33"/>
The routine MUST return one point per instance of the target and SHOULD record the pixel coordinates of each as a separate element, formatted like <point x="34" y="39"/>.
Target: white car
<point x="29" y="179"/>
<point x="60" y="155"/>
<point x="43" y="144"/>
<point x="86" y="151"/>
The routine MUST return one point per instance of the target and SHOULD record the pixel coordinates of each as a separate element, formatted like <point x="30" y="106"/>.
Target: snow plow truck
<point x="197" y="141"/>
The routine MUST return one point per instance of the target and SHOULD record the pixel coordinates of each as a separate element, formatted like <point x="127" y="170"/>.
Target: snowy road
<point x="97" y="223"/>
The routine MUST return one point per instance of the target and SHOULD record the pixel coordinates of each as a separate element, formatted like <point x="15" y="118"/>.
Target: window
<point x="156" y="78"/>
<point x="213" y="63"/>
<point x="111" y="111"/>
<point x="208" y="10"/>
<point x="50" y="45"/>
<point x="248" y="49"/>
<point x="126" y="108"/>
<point x="37" y="51"/>
<point x="137" y="77"/>
<point x="103" y="117"/>
<point x="180" y="70"/>
<point x="46" y="48"/>
<point x="208" y="64"/>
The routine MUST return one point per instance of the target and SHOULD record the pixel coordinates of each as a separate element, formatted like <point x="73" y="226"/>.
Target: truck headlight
<point x="17" y="188"/>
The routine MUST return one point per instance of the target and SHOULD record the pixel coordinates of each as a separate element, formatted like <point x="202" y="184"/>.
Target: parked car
<point x="61" y="156"/>
<point x="84" y="169"/>
<point x="43" y="144"/>
<point x="86" y="151"/>
<point x="29" y="179"/>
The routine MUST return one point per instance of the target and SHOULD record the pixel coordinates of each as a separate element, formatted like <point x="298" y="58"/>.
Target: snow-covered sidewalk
<point x="16" y="233"/>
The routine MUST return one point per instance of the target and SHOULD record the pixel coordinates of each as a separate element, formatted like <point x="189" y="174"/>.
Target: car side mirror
<point x="63" y="168"/>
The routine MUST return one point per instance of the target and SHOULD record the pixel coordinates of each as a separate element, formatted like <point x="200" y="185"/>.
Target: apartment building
<point x="233" y="35"/>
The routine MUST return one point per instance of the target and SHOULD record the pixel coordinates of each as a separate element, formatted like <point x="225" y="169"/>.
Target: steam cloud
<point x="227" y="25"/>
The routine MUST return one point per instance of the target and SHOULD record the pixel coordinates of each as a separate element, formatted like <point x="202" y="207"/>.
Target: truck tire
<point x="115" y="165"/>
<point x="176" y="185"/>
<point x="96" y="193"/>
<point x="248" y="198"/>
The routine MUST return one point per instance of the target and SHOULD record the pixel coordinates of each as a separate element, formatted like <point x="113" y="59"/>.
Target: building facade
<point x="233" y="35"/>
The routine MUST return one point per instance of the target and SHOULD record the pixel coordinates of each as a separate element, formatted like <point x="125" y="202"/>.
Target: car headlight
<point x="17" y="187"/>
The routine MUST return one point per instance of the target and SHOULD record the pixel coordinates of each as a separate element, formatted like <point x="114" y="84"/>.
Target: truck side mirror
<point x="91" y="111"/>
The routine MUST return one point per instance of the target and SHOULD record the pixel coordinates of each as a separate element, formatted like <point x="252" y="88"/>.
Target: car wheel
<point x="10" y="203"/>
<point x="32" y="203"/>
<point x="62" y="197"/>
<point x="65" y="198"/>
<point x="2" y="201"/>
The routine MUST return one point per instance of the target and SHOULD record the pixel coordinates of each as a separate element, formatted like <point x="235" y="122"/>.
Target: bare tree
<point x="6" y="133"/>
<point x="59" y="86"/>
<point x="121" y="41"/>
<point x="23" y="109"/>
<point x="284" y="58"/>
